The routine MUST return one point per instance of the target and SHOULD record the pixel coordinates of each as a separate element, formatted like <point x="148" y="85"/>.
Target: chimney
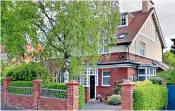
<point x="146" y="5"/>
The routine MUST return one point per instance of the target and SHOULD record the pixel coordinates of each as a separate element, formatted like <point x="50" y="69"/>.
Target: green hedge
<point x="53" y="85"/>
<point x="81" y="96"/>
<point x="21" y="90"/>
<point x="150" y="97"/>
<point x="27" y="72"/>
<point x="168" y="75"/>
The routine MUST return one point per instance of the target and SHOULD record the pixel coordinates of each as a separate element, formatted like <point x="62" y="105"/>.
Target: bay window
<point x="106" y="78"/>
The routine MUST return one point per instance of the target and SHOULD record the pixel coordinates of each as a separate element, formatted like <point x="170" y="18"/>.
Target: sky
<point x="166" y="14"/>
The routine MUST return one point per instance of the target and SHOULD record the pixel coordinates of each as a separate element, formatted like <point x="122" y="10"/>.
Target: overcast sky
<point x="166" y="14"/>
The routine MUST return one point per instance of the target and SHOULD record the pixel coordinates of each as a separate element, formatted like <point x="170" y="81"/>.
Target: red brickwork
<point x="72" y="95"/>
<point x="36" y="102"/>
<point x="116" y="74"/>
<point x="87" y="94"/>
<point x="127" y="95"/>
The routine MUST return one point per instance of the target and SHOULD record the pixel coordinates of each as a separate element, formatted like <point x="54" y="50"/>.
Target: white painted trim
<point x="102" y="78"/>
<point x="116" y="65"/>
<point x="141" y="28"/>
<point x="148" y="37"/>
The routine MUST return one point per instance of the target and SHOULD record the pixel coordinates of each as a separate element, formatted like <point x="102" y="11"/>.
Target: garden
<point x="22" y="76"/>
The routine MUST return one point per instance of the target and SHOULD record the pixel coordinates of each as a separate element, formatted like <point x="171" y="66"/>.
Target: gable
<point x="149" y="30"/>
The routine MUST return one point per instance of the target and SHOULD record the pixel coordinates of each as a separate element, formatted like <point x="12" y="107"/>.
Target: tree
<point x="173" y="46"/>
<point x="69" y="30"/>
<point x="169" y="59"/>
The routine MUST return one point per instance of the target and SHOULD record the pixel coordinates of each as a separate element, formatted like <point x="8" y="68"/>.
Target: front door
<point x="92" y="87"/>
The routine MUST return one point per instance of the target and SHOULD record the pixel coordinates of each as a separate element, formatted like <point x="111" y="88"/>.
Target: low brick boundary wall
<point x="36" y="102"/>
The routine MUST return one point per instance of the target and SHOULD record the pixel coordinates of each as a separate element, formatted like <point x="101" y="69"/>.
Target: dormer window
<point x="122" y="35"/>
<point x="123" y="19"/>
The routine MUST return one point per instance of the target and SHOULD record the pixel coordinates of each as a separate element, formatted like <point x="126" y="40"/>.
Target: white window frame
<point x="106" y="77"/>
<point x="124" y="15"/>
<point x="142" y="49"/>
<point x="147" y="74"/>
<point x="103" y="45"/>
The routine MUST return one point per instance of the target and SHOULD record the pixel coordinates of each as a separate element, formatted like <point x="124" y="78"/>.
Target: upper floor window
<point x="123" y="19"/>
<point x="142" y="49"/>
<point x="103" y="46"/>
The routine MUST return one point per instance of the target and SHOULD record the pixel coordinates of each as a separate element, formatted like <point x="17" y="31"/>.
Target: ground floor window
<point x="106" y="78"/>
<point x="146" y="73"/>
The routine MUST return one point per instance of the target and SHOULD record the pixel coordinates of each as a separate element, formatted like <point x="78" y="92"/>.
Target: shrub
<point x="143" y="83"/>
<point x="150" y="97"/>
<point x="2" y="78"/>
<point x="157" y="80"/>
<point x="115" y="100"/>
<point x="53" y="85"/>
<point x="20" y="84"/>
<point x="27" y="72"/>
<point x="168" y="75"/>
<point x="81" y="96"/>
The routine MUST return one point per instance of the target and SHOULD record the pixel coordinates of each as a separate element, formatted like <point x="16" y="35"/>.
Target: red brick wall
<point x="21" y="102"/>
<point x="52" y="104"/>
<point x="116" y="74"/>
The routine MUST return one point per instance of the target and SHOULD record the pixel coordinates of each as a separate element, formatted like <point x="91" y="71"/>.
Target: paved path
<point x="101" y="106"/>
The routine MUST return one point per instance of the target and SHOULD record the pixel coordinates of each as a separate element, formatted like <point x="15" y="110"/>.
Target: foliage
<point x="117" y="88"/>
<point x="21" y="83"/>
<point x="81" y="96"/>
<point x="173" y="46"/>
<point x="4" y="65"/>
<point x="143" y="83"/>
<point x="53" y="85"/>
<point x="2" y="78"/>
<point x="28" y="72"/>
<point x="157" y="80"/>
<point x="115" y="100"/>
<point x="69" y="30"/>
<point x="168" y="75"/>
<point x="169" y="59"/>
<point x="150" y="97"/>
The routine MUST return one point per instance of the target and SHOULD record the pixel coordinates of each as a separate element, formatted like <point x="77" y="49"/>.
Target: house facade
<point x="138" y="54"/>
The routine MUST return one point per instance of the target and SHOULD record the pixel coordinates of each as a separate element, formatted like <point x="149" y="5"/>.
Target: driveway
<point x="101" y="106"/>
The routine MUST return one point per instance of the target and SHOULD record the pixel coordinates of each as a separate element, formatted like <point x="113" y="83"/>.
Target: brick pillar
<point x="127" y="95"/>
<point x="164" y="83"/>
<point x="5" y="90"/>
<point x="36" y="93"/>
<point x="87" y="94"/>
<point x="72" y="95"/>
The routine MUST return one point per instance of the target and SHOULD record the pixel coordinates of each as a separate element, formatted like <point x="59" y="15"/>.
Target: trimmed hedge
<point x="27" y="72"/>
<point x="20" y="84"/>
<point x="81" y="96"/>
<point x="54" y="85"/>
<point x="168" y="75"/>
<point x="150" y="97"/>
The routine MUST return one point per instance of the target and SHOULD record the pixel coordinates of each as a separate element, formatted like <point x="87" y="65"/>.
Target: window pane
<point x="106" y="80"/>
<point x="148" y="72"/>
<point x="151" y="72"/>
<point x="101" y="50"/>
<point x="106" y="73"/>
<point x="105" y="49"/>
<point x="141" y="71"/>
<point x="141" y="78"/>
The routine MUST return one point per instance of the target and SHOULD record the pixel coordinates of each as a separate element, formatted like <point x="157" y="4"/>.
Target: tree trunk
<point x="66" y="69"/>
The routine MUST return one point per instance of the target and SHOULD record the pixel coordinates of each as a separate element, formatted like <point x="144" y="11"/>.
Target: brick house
<point x="138" y="54"/>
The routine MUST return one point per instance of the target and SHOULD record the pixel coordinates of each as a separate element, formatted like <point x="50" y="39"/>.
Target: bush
<point x="168" y="75"/>
<point x="143" y="83"/>
<point x="20" y="84"/>
<point x="150" y="97"/>
<point x="157" y="80"/>
<point x="115" y="100"/>
<point x="81" y="96"/>
<point x="54" y="85"/>
<point x="2" y="78"/>
<point x="27" y="72"/>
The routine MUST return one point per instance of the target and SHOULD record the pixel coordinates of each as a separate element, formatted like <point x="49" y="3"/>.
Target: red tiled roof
<point x="133" y="28"/>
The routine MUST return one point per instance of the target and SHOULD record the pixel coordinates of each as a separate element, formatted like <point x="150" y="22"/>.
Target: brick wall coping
<point x="72" y="82"/>
<point x="127" y="83"/>
<point x="7" y="79"/>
